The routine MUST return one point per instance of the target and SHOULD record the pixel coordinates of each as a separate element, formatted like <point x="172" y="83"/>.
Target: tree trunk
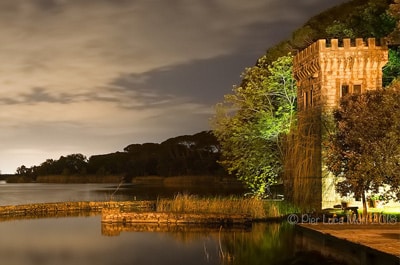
<point x="365" y="210"/>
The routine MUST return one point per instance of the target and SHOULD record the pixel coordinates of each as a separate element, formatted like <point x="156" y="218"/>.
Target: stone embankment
<point x="65" y="208"/>
<point x="118" y="216"/>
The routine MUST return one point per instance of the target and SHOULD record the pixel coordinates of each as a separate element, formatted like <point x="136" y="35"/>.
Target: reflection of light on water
<point x="3" y="182"/>
<point x="79" y="241"/>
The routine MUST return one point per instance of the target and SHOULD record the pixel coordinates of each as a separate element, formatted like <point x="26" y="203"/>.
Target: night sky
<point x="93" y="76"/>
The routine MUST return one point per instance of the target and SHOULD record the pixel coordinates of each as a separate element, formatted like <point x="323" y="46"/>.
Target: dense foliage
<point x="364" y="151"/>
<point x="249" y="123"/>
<point x="353" y="19"/>
<point x="391" y="70"/>
<point x="183" y="155"/>
<point x="374" y="17"/>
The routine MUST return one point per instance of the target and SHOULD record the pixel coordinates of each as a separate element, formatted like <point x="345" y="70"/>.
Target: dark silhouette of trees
<point x="183" y="155"/>
<point x="72" y="164"/>
<point x="190" y="155"/>
<point x="142" y="159"/>
<point x="23" y="170"/>
<point x="107" y="164"/>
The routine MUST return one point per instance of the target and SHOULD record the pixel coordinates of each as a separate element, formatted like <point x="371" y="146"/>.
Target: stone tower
<point x="326" y="71"/>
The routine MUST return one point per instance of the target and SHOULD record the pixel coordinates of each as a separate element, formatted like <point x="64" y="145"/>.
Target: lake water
<point x="85" y="240"/>
<point x="12" y="194"/>
<point x="80" y="241"/>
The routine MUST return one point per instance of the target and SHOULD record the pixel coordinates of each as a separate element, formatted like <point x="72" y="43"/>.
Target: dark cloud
<point x="47" y="4"/>
<point x="107" y="73"/>
<point x="8" y="101"/>
<point x="38" y="95"/>
<point x="202" y="81"/>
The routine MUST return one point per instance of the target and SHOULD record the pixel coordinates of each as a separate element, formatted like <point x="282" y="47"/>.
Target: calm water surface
<point x="81" y="241"/>
<point x="85" y="241"/>
<point x="12" y="194"/>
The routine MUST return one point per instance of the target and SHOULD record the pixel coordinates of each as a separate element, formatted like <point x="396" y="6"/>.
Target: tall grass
<point x="256" y="208"/>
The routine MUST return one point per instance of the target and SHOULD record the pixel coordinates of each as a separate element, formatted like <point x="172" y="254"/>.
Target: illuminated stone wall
<point x="326" y="71"/>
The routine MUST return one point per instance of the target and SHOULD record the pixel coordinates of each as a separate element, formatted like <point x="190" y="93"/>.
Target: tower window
<point x="357" y="89"/>
<point x="305" y="100"/>
<point x="308" y="99"/>
<point x="344" y="90"/>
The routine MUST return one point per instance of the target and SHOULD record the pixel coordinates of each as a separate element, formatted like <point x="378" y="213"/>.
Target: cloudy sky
<point x="93" y="76"/>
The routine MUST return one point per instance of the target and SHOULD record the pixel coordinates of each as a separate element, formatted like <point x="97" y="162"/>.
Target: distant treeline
<point x="183" y="155"/>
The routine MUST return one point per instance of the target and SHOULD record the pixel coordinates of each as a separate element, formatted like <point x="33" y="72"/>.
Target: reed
<point x="254" y="207"/>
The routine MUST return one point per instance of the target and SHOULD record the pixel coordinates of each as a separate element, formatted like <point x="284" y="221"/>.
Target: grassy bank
<point x="178" y="181"/>
<point x="256" y="208"/>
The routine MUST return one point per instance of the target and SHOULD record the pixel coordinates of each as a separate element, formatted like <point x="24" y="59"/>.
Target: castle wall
<point x="326" y="71"/>
<point x="324" y="67"/>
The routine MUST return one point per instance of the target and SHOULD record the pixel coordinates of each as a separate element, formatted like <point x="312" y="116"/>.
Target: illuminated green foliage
<point x="391" y="71"/>
<point x="250" y="122"/>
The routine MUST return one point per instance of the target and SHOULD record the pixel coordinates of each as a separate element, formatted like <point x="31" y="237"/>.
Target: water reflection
<point x="263" y="243"/>
<point x="84" y="240"/>
<point x="78" y="240"/>
<point x="115" y="229"/>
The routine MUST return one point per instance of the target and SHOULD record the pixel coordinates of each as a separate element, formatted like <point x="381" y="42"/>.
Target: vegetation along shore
<point x="252" y="208"/>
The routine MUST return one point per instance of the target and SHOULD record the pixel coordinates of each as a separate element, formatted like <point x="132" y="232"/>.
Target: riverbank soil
<point x="382" y="237"/>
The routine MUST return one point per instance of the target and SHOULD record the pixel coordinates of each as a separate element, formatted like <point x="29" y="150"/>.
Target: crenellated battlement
<point x="324" y="45"/>
<point x="326" y="66"/>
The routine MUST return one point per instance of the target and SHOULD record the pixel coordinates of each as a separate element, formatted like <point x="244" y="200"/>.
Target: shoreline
<point x="377" y="243"/>
<point x="36" y="210"/>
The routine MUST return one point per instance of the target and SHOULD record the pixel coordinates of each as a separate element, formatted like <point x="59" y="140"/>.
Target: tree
<point x="72" y="164"/>
<point x="352" y="19"/>
<point x="394" y="10"/>
<point x="250" y="122"/>
<point x="23" y="171"/>
<point x="372" y="19"/>
<point x="364" y="151"/>
<point x="189" y="155"/>
<point x="391" y="70"/>
<point x="339" y="30"/>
